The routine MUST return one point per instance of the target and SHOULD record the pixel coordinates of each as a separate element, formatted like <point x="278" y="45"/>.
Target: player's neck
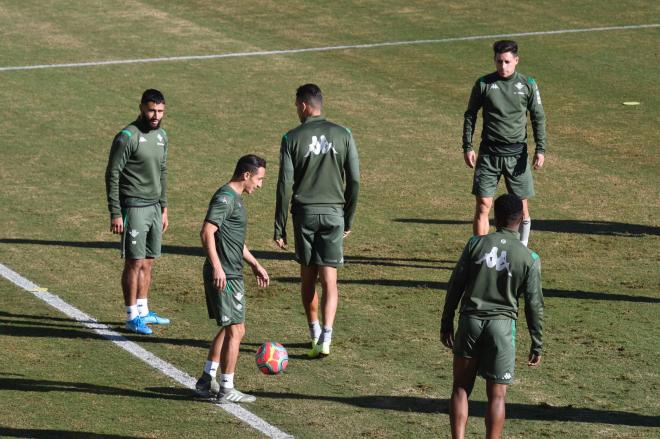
<point x="237" y="186"/>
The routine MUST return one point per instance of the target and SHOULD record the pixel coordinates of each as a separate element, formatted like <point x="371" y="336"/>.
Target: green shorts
<point x="492" y="343"/>
<point x="516" y="171"/>
<point x="143" y="232"/>
<point x="226" y="307"/>
<point x="319" y="239"/>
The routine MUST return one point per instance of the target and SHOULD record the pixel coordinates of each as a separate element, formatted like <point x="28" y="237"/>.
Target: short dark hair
<point x="310" y="94"/>
<point x="504" y="46"/>
<point x="152" y="95"/>
<point x="248" y="163"/>
<point x="508" y="209"/>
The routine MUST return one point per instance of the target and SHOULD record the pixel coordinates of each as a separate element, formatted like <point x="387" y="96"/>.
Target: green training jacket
<point x="493" y="272"/>
<point x="136" y="175"/>
<point x="319" y="173"/>
<point x="505" y="103"/>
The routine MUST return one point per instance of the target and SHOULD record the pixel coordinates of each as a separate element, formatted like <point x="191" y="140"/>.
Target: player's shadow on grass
<point x="40" y="385"/>
<point x="562" y="226"/>
<point x="405" y="283"/>
<point x="60" y="434"/>
<point x="537" y="412"/>
<point x="259" y="254"/>
<point x="25" y="325"/>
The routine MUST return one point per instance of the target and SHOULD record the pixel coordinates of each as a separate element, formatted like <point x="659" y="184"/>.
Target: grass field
<point x="594" y="220"/>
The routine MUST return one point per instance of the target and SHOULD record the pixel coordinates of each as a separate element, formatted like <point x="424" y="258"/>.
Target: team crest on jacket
<point x="320" y="146"/>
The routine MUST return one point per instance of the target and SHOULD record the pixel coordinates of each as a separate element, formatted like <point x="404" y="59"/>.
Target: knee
<point x="236" y="331"/>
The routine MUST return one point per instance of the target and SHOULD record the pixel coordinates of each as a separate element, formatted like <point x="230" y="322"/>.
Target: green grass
<point x="595" y="219"/>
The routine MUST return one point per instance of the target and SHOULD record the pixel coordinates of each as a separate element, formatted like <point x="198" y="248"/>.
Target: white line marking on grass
<point x="133" y="348"/>
<point x="323" y="49"/>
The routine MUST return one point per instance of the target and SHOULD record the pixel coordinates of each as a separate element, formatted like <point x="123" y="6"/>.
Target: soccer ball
<point x="272" y="358"/>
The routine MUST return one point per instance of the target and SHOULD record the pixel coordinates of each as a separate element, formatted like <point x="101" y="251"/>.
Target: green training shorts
<point x="517" y="175"/>
<point x="143" y="232"/>
<point x="227" y="307"/>
<point x="319" y="239"/>
<point x="492" y="343"/>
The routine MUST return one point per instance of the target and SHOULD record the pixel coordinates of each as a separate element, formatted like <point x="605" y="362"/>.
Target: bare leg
<point x="216" y="346"/>
<point x="330" y="294"/>
<point x="310" y="299"/>
<point x="130" y="280"/>
<point x="525" y="204"/>
<point x="465" y="372"/>
<point x="144" y="279"/>
<point x="230" y="347"/>
<point x="480" y="224"/>
<point x="496" y="411"/>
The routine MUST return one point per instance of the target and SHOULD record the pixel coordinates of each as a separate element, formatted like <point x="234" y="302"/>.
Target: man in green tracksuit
<point x="492" y="273"/>
<point x="223" y="239"/>
<point x="319" y="173"/>
<point x="136" y="186"/>
<point x="506" y="97"/>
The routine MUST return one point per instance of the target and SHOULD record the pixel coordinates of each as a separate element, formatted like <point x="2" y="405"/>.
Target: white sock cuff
<point x="227" y="380"/>
<point x="211" y="367"/>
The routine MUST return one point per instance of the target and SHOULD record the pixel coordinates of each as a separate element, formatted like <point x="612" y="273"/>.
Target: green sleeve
<point x="534" y="305"/>
<point x="455" y="290"/>
<point x="536" y="115"/>
<point x="470" y="116"/>
<point x="120" y="152"/>
<point x="163" y="176"/>
<point x="284" y="190"/>
<point x="352" y="172"/>
<point x="221" y="206"/>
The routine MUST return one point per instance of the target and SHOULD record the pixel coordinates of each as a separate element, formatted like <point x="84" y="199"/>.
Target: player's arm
<point x="283" y="194"/>
<point x="220" y="208"/>
<point x="207" y="235"/>
<point x="260" y="272"/>
<point x="120" y="152"/>
<point x="469" y="123"/>
<point x="163" y="186"/>
<point x="534" y="310"/>
<point x="537" y="117"/>
<point x="352" y="176"/>
<point x="455" y="291"/>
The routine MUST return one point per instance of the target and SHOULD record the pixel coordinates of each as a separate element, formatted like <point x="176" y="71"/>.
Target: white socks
<point x="142" y="307"/>
<point x="131" y="312"/>
<point x="326" y="335"/>
<point x="211" y="367"/>
<point x="524" y="229"/>
<point x="314" y="330"/>
<point x="227" y="380"/>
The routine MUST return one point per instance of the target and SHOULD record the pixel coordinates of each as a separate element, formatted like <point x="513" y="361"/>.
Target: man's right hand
<point x="534" y="360"/>
<point x="281" y="243"/>
<point x="447" y="339"/>
<point x="219" y="278"/>
<point x="470" y="158"/>
<point x="117" y="225"/>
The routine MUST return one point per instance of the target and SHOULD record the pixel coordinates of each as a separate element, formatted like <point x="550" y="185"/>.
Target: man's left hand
<point x="538" y="160"/>
<point x="166" y="223"/>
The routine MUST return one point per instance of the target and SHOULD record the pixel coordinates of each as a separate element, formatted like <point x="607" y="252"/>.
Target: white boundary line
<point x="323" y="49"/>
<point x="136" y="350"/>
